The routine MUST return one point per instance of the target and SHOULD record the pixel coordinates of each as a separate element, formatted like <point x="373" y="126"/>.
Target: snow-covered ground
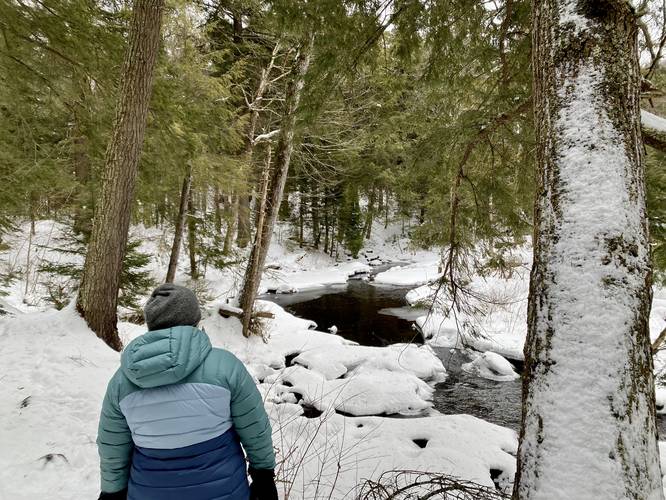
<point x="325" y="395"/>
<point x="51" y="393"/>
<point x="415" y="274"/>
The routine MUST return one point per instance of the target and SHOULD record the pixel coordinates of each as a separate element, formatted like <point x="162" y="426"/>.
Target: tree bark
<point x="180" y="224"/>
<point x="243" y="224"/>
<point x="231" y="216"/>
<point x="314" y="212"/>
<point x="98" y="295"/>
<point x="326" y="223"/>
<point x="588" y="421"/>
<point x="301" y="215"/>
<point x="217" y="201"/>
<point x="367" y="228"/>
<point x="192" y="236"/>
<point x="284" y="148"/>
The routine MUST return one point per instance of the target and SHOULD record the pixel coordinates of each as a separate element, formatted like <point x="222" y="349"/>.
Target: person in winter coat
<point x="176" y="413"/>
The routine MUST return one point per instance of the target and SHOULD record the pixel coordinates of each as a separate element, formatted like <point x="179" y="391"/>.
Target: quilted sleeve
<point x="114" y="442"/>
<point x="249" y="417"/>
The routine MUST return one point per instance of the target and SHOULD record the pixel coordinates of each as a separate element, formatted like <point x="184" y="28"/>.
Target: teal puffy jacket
<point x="172" y="418"/>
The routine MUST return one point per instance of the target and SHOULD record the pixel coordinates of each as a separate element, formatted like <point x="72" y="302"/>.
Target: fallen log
<point x="228" y="311"/>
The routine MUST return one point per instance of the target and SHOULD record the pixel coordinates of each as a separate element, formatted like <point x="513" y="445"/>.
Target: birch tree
<point x="588" y="425"/>
<point x="98" y="295"/>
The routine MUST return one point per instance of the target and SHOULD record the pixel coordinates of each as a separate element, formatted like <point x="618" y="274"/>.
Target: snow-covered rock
<point x="286" y="288"/>
<point x="336" y="361"/>
<point x="423" y="295"/>
<point x="364" y="391"/>
<point x="492" y="366"/>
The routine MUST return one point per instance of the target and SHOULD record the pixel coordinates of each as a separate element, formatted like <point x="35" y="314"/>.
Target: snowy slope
<point x="51" y="388"/>
<point x="51" y="392"/>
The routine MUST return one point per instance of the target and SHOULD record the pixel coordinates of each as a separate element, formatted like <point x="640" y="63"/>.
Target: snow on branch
<point x="267" y="137"/>
<point x="653" y="122"/>
<point x="654" y="130"/>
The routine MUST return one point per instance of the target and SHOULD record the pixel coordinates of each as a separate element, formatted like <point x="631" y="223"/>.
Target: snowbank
<point x="410" y="275"/>
<point x="498" y="322"/>
<point x="292" y="281"/>
<point x="658" y="312"/>
<point x="441" y="331"/>
<point x="342" y="452"/>
<point x="51" y="392"/>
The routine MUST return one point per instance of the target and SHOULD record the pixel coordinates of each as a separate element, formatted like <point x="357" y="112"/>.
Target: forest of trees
<point x="220" y="119"/>
<point x="371" y="110"/>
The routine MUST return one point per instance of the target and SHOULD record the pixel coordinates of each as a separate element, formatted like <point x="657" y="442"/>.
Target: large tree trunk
<point x="98" y="295"/>
<point x="284" y="148"/>
<point x="588" y="426"/>
<point x="180" y="224"/>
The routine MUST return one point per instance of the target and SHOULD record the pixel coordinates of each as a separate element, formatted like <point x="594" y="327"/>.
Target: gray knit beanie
<point x="171" y="305"/>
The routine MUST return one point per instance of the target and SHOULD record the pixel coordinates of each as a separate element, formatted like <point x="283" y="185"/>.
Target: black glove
<point x="263" y="484"/>
<point x="118" y="495"/>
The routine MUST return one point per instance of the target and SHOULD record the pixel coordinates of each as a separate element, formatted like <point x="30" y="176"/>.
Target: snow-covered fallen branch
<point x="227" y="311"/>
<point x="654" y="130"/>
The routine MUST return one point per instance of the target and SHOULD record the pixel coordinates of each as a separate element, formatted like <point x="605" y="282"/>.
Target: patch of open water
<point x="378" y="315"/>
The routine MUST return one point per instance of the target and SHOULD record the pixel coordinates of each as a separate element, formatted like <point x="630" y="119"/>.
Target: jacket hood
<point x="163" y="357"/>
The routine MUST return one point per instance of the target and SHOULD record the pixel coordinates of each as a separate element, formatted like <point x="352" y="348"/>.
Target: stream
<point x="378" y="315"/>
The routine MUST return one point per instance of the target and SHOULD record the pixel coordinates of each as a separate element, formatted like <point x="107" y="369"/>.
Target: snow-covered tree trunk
<point x="588" y="399"/>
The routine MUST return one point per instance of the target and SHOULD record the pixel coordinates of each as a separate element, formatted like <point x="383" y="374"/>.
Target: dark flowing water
<point x="361" y="312"/>
<point x="379" y="315"/>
